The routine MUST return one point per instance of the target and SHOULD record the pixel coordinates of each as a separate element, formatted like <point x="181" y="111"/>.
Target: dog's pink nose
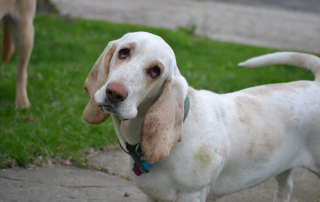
<point x="116" y="92"/>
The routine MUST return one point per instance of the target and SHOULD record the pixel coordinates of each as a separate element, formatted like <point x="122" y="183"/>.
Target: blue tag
<point x="146" y="165"/>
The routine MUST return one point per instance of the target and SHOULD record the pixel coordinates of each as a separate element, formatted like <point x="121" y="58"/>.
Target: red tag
<point x="136" y="170"/>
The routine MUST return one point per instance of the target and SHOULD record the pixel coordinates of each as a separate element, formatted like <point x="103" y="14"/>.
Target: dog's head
<point x="138" y="74"/>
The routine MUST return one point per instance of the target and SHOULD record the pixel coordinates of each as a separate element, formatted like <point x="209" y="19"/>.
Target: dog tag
<point x="146" y="164"/>
<point x="136" y="170"/>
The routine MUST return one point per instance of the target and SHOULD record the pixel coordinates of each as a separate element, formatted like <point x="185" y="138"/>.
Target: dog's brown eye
<point x="154" y="72"/>
<point x="124" y="53"/>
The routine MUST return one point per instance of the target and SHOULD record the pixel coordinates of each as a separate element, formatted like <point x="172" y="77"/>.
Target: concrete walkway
<point x="277" y="28"/>
<point x="64" y="184"/>
<point x="70" y="184"/>
<point x="306" y="185"/>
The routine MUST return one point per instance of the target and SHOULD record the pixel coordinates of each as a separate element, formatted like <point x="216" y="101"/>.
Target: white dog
<point x="227" y="143"/>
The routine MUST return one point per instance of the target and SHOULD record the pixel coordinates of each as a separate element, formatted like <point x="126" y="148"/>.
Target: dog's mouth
<point x="110" y="110"/>
<point x="107" y="109"/>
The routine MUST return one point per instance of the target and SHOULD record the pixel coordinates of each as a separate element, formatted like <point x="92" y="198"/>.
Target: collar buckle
<point x="141" y="165"/>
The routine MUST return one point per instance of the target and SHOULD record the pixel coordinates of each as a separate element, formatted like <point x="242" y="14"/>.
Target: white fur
<point x="230" y="142"/>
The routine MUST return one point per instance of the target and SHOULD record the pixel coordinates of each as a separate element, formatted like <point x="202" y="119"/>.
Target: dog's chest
<point x="184" y="170"/>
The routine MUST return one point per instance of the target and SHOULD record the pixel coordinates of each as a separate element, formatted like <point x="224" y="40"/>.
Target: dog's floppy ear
<point x="97" y="77"/>
<point x="162" y="127"/>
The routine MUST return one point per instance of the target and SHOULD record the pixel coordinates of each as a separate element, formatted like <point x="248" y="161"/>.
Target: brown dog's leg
<point x="24" y="44"/>
<point x="4" y="6"/>
<point x="22" y="32"/>
<point x="7" y="47"/>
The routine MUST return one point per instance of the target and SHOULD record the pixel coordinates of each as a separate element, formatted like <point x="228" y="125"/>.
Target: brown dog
<point x="18" y="32"/>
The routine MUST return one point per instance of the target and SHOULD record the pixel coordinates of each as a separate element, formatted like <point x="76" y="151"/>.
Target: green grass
<point x="64" y="53"/>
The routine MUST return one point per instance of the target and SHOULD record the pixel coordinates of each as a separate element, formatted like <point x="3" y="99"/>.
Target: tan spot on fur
<point x="269" y="89"/>
<point x="280" y="87"/>
<point x="264" y="160"/>
<point x="193" y="113"/>
<point x="250" y="151"/>
<point x="245" y="120"/>
<point x="292" y="86"/>
<point x="245" y="107"/>
<point x="203" y="157"/>
<point x="191" y="91"/>
<point x="258" y="91"/>
<point x="298" y="60"/>
<point x="195" y="118"/>
<point x="220" y="152"/>
<point x="267" y="144"/>
<point x="300" y="84"/>
<point x="259" y="152"/>
<point x="223" y="114"/>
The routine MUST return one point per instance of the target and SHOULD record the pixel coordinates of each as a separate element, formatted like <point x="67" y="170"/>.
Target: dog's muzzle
<point x="107" y="109"/>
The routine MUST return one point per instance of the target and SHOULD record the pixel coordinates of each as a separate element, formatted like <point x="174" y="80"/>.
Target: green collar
<point x="186" y="107"/>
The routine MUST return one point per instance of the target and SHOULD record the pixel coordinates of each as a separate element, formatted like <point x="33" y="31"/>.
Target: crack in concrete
<point x="61" y="185"/>
<point x="8" y="178"/>
<point x="92" y="186"/>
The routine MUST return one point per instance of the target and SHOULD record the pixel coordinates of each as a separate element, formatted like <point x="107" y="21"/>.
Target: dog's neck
<point x="129" y="131"/>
